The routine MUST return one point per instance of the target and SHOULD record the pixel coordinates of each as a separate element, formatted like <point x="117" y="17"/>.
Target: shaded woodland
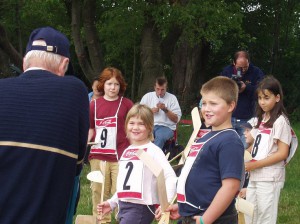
<point x="189" y="41"/>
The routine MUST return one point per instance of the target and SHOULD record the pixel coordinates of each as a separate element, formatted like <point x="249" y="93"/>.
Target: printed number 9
<point x="103" y="138"/>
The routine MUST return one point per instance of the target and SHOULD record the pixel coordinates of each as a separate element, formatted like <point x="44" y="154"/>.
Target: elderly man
<point x="43" y="133"/>
<point x="247" y="77"/>
<point x="166" y="109"/>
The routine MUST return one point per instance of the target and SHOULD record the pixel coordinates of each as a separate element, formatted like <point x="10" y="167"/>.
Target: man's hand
<point x="161" y="106"/>
<point x="155" y="110"/>
<point x="243" y="87"/>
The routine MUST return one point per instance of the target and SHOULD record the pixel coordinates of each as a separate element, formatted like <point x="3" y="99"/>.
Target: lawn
<point x="289" y="207"/>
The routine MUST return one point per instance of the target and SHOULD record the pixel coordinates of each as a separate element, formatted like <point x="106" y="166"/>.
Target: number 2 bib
<point x="130" y="177"/>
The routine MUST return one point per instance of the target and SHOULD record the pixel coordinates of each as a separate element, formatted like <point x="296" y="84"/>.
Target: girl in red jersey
<point x="107" y="119"/>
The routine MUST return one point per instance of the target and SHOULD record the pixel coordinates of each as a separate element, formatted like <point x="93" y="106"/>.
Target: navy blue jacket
<point x="246" y="100"/>
<point x="43" y="133"/>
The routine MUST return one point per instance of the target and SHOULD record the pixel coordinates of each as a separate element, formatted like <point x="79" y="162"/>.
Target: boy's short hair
<point x="224" y="87"/>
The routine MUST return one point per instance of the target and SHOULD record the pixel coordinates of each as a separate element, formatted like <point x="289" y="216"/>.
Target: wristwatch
<point x="166" y="110"/>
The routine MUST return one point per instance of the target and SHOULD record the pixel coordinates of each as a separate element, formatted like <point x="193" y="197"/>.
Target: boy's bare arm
<point x="221" y="201"/>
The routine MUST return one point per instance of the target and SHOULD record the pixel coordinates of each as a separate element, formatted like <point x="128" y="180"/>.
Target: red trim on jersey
<point x="135" y="195"/>
<point x="180" y="197"/>
<point x="103" y="151"/>
<point x="266" y="131"/>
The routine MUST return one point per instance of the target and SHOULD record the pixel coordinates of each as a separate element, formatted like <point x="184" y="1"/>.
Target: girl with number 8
<point x="272" y="135"/>
<point x="107" y="119"/>
<point x="137" y="192"/>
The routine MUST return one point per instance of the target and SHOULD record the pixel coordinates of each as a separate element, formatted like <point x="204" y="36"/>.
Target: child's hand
<point x="158" y="213"/>
<point x="174" y="211"/>
<point x="103" y="209"/>
<point x="242" y="193"/>
<point x="249" y="166"/>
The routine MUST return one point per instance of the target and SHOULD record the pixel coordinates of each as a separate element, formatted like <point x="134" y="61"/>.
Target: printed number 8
<point x="255" y="146"/>
<point x="103" y="138"/>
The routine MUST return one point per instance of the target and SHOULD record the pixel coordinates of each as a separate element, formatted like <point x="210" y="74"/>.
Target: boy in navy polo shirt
<point x="211" y="176"/>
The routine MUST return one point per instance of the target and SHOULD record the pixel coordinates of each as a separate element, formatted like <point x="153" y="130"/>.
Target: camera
<point x="237" y="77"/>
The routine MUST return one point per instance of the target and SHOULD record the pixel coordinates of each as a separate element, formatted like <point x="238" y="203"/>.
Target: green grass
<point x="289" y="206"/>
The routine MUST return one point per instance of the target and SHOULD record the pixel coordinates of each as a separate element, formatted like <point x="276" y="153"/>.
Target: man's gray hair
<point x="47" y="60"/>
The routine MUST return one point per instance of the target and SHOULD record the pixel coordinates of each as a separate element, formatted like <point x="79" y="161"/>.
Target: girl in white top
<point x="137" y="191"/>
<point x="272" y="135"/>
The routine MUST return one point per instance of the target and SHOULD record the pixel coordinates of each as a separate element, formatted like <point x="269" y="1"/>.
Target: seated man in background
<point x="166" y="109"/>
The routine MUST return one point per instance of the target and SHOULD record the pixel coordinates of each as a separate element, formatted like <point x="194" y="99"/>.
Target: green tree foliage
<point x="197" y="38"/>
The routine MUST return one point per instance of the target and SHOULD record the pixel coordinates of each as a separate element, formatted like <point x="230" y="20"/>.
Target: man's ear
<point x="63" y="67"/>
<point x="24" y="65"/>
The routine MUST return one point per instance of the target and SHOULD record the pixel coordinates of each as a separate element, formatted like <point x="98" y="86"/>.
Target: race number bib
<point x="261" y="144"/>
<point x="131" y="176"/>
<point x="195" y="149"/>
<point x="106" y="136"/>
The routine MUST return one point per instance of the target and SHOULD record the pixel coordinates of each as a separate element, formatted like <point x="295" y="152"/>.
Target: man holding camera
<point x="247" y="77"/>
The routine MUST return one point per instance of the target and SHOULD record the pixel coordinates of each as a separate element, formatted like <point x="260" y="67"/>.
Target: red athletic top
<point x="107" y="108"/>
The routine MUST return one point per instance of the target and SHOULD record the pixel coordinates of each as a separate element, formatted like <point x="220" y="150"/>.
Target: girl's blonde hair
<point x="145" y="114"/>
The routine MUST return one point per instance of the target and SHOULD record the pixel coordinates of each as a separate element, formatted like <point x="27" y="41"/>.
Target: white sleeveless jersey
<point x="130" y="176"/>
<point x="106" y="134"/>
<point x="136" y="183"/>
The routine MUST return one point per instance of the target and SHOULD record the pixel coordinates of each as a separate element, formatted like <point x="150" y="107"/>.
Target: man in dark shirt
<point x="250" y="76"/>
<point x="43" y="133"/>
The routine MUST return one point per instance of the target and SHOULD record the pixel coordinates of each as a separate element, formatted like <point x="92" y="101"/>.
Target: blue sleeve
<point x="256" y="75"/>
<point x="83" y="127"/>
<point x="231" y="159"/>
<point x="227" y="71"/>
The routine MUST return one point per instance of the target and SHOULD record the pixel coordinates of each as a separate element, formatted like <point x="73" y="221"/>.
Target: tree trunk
<point x="83" y="58"/>
<point x="276" y="35"/>
<point x="92" y="40"/>
<point x="151" y="58"/>
<point x="186" y="75"/>
<point x="7" y="47"/>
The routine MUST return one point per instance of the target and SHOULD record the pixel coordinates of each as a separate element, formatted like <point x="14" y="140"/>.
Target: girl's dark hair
<point x="272" y="85"/>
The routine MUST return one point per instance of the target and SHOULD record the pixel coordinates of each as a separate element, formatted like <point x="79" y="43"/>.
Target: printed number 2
<point x="130" y="167"/>
<point x="256" y="144"/>
<point x="103" y="138"/>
